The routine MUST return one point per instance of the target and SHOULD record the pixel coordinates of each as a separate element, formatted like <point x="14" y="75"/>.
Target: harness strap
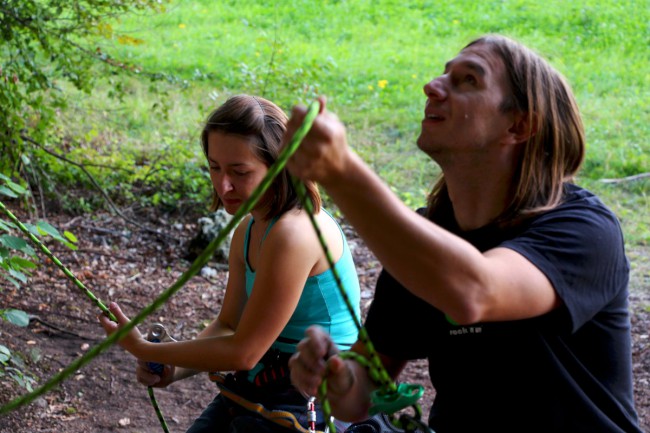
<point x="281" y="417"/>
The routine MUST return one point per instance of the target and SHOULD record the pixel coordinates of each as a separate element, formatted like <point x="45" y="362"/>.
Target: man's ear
<point x="524" y="127"/>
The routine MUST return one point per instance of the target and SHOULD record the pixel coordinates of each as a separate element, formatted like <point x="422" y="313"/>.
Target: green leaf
<point x="72" y="246"/>
<point x="35" y="354"/>
<point x="6" y="191"/>
<point x="19" y="363"/>
<point x="13" y="242"/>
<point x="71" y="237"/>
<point x="18" y="189"/>
<point x="11" y="280"/>
<point x="17" y="317"/>
<point x="5" y="354"/>
<point x="17" y="375"/>
<point x="17" y="243"/>
<point x="47" y="228"/>
<point x="32" y="229"/>
<point x="7" y="226"/>
<point x="20" y="263"/>
<point x="18" y="275"/>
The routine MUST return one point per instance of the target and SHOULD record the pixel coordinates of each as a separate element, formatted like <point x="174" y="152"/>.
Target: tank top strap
<point x="248" y="235"/>
<point x="246" y="239"/>
<point x="345" y="241"/>
<point x="273" y="221"/>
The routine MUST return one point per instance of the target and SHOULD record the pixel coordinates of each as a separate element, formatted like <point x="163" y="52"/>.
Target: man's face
<point x="462" y="112"/>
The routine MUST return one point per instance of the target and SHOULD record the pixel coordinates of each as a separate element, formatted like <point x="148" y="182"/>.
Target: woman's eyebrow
<point x="233" y="164"/>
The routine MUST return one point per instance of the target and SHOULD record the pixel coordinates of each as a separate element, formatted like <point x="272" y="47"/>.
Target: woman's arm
<point x="215" y="329"/>
<point x="287" y="256"/>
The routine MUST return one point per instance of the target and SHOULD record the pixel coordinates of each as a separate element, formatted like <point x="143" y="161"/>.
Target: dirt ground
<point x="122" y="263"/>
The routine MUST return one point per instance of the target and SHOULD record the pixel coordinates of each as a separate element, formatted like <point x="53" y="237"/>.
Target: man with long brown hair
<point x="512" y="282"/>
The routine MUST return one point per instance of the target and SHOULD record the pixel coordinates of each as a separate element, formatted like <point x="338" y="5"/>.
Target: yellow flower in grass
<point x="181" y="26"/>
<point x="382" y="84"/>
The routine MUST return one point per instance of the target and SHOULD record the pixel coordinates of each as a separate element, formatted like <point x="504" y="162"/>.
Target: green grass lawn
<point x="371" y="59"/>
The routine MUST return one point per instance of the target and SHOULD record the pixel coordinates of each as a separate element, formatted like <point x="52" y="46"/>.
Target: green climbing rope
<point x="389" y="397"/>
<point x="194" y="269"/>
<point x="56" y="261"/>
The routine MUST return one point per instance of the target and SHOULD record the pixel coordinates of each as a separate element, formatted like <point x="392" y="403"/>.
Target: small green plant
<point x="16" y="254"/>
<point x="17" y="261"/>
<point x="12" y="365"/>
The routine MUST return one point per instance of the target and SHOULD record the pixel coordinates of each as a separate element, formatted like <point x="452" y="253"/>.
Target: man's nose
<point x="435" y="88"/>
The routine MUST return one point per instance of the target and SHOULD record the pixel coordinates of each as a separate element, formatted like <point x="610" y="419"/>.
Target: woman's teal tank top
<point x="320" y="303"/>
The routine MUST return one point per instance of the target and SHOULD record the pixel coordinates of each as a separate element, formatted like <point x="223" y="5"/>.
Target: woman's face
<point x="235" y="171"/>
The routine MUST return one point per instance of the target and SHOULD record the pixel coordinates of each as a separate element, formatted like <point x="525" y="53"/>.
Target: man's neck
<point x="479" y="198"/>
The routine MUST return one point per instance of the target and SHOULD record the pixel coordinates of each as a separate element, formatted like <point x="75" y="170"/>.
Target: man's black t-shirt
<point x="566" y="371"/>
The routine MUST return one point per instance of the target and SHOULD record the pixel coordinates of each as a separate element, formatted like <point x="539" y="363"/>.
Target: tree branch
<point x="97" y="186"/>
<point x="627" y="179"/>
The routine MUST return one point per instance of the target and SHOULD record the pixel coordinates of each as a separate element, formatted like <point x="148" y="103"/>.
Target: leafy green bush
<point x="44" y="43"/>
<point x="17" y="261"/>
<point x="11" y="364"/>
<point x="17" y="256"/>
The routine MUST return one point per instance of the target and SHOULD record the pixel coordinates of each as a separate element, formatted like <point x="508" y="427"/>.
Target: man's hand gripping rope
<point x="389" y="397"/>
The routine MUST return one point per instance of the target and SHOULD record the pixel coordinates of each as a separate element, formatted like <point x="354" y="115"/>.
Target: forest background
<point x="102" y="103"/>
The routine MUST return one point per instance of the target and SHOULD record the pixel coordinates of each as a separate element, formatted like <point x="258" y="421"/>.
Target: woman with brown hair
<point x="279" y="283"/>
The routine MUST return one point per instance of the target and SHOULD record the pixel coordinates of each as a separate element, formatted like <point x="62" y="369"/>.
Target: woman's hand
<point x="149" y="378"/>
<point x="133" y="341"/>
<point x="316" y="359"/>
<point x="323" y="154"/>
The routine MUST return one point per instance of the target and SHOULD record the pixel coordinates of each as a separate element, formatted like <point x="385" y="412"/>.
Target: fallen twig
<point x="98" y="187"/>
<point x="33" y="318"/>
<point x="627" y="178"/>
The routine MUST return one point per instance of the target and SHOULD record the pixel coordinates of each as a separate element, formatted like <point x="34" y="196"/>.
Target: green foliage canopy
<point x="41" y="43"/>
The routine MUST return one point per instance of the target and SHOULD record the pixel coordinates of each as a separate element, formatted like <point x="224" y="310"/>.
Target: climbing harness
<point x="240" y="393"/>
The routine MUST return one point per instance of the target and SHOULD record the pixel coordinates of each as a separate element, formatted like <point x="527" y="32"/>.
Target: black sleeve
<point x="580" y="249"/>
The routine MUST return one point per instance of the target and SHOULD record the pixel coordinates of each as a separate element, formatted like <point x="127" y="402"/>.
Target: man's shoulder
<point x="579" y="205"/>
